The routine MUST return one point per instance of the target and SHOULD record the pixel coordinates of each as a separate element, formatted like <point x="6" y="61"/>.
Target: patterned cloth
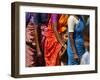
<point x="52" y="46"/>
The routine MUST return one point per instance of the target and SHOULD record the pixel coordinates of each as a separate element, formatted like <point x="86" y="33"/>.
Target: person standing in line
<point x="75" y="42"/>
<point x="53" y="42"/>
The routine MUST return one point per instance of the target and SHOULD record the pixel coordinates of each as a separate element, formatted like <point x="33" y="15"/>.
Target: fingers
<point x="76" y="58"/>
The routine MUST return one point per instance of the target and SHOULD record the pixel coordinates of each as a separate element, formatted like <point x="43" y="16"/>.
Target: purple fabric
<point x="54" y="18"/>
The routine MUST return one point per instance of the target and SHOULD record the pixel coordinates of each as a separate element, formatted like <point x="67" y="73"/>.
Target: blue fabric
<point x="79" y="43"/>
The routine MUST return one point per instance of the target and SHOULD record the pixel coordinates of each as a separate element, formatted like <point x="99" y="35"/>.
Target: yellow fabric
<point x="63" y="23"/>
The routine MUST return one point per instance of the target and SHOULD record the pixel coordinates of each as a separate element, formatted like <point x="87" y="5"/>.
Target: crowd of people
<point x="56" y="39"/>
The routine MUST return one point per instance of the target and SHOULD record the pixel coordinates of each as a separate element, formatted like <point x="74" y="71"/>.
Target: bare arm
<point x="37" y="42"/>
<point x="73" y="45"/>
<point x="54" y="27"/>
<point x="71" y="25"/>
<point x="72" y="42"/>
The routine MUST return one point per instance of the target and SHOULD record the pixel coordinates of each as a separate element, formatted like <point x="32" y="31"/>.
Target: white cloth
<point x="72" y="21"/>
<point x="85" y="58"/>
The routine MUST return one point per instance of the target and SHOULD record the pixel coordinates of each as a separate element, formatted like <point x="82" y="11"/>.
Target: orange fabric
<point x="51" y="46"/>
<point x="52" y="49"/>
<point x="62" y="23"/>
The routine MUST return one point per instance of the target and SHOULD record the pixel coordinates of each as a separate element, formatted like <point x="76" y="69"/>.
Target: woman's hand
<point x="76" y="56"/>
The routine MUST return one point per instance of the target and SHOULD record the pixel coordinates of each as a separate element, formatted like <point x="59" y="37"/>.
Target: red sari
<point x="52" y="47"/>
